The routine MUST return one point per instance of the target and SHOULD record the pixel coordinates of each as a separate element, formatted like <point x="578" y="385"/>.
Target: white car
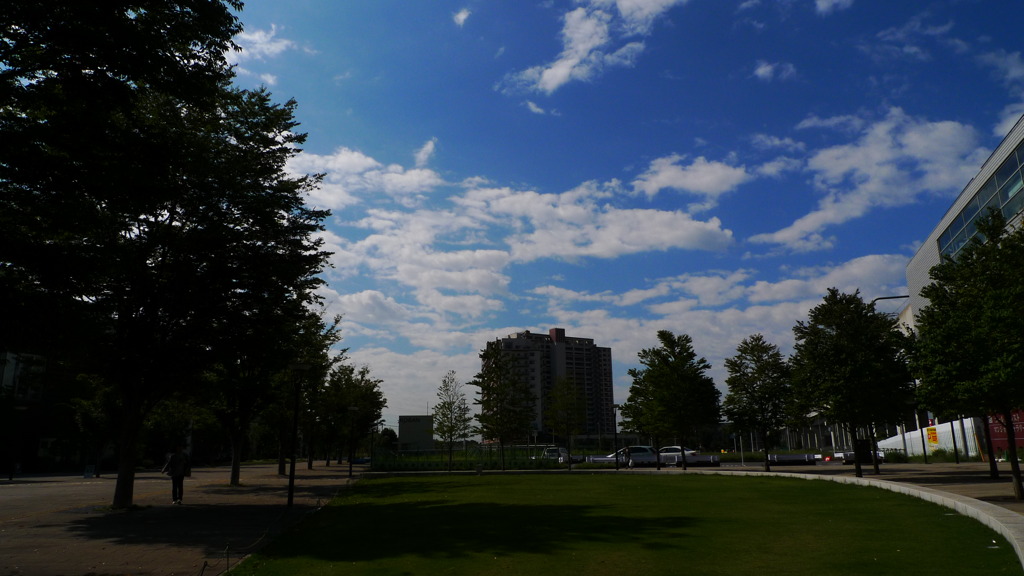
<point x="677" y="450"/>
<point x="630" y="456"/>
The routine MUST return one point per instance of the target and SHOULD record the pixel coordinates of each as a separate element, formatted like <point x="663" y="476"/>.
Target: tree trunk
<point x="236" y="437"/>
<point x="282" y="451"/>
<point x="764" y="444"/>
<point x="857" y="470"/>
<point x="124" y="489"/>
<point x="1011" y="438"/>
<point x="874" y="449"/>
<point x="993" y="466"/>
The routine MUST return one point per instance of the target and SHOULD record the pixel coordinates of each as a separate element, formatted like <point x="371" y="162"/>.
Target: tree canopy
<point x="759" y="388"/>
<point x="452" y="418"/>
<point x="143" y="200"/>
<point x="507" y="404"/>
<point x="850" y="364"/>
<point x="970" y="340"/>
<point x="566" y="411"/>
<point x="672" y="396"/>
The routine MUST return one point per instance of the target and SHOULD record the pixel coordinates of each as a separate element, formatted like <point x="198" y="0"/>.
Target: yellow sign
<point x="933" y="435"/>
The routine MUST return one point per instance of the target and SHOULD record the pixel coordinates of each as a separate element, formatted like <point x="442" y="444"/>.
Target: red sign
<point x="999" y="439"/>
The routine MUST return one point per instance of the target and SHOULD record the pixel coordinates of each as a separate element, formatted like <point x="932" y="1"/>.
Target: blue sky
<point x="617" y="167"/>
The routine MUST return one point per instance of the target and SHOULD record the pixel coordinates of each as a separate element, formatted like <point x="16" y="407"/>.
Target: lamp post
<point x="615" y="433"/>
<point x="889" y="298"/>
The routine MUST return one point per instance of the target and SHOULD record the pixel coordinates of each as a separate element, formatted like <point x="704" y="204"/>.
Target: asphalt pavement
<point x="63" y="526"/>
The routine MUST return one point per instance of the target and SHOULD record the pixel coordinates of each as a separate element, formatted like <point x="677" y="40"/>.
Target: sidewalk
<point x="63" y="525"/>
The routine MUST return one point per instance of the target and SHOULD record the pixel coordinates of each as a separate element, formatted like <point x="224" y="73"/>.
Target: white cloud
<point x="875" y="275"/>
<point x="769" y="71"/>
<point x="616" y="232"/>
<point x="584" y="33"/>
<point x="574" y="225"/>
<point x="702" y="177"/>
<point x="349" y="173"/>
<point x="594" y="37"/>
<point x="779" y="166"/>
<point x="1008" y="64"/>
<point x="1008" y="118"/>
<point x="461" y="16"/>
<point x="260" y="45"/>
<point x="426" y="152"/>
<point x="638" y="16"/>
<point x="893" y="162"/>
<point x="767" y="142"/>
<point x="409" y="381"/>
<point x="826" y="7"/>
<point x="911" y="41"/>
<point x="372" y="307"/>
<point x="535" y="108"/>
<point x="844" y="123"/>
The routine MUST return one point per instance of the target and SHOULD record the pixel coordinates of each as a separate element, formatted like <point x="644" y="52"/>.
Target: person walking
<point x="177" y="467"/>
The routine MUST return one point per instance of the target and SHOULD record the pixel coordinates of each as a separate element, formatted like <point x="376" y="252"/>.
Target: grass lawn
<point x="614" y="524"/>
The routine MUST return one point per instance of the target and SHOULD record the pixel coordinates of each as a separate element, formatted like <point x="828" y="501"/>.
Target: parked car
<point x="554" y="453"/>
<point x="677" y="450"/>
<point x="850" y="457"/>
<point x="560" y="454"/>
<point x="630" y="456"/>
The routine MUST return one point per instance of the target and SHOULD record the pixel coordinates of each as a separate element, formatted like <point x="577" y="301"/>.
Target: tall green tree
<point x="759" y="389"/>
<point x="452" y="418"/>
<point x="507" y="403"/>
<point x="850" y="365"/>
<point x="672" y="395"/>
<point x="566" y="410"/>
<point x="258" y="370"/>
<point x="356" y="396"/>
<point x="970" y="340"/>
<point x="142" y="198"/>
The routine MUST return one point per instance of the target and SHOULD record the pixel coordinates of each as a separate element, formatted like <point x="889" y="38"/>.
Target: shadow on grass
<point x="439" y="529"/>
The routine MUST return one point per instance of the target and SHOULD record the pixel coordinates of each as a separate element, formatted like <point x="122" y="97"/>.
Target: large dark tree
<point x="759" y="389"/>
<point x="850" y="365"/>
<point x="970" y="339"/>
<point x="672" y="395"/>
<point x="141" y="198"/>
<point x="506" y="402"/>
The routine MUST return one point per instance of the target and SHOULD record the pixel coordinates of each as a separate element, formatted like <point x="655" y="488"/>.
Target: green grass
<point x="607" y="524"/>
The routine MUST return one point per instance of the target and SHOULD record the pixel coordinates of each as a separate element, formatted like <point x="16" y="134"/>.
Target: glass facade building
<point x="997" y="186"/>
<point x="1001" y="192"/>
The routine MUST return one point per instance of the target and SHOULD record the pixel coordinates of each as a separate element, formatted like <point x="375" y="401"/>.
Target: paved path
<point x="61" y="526"/>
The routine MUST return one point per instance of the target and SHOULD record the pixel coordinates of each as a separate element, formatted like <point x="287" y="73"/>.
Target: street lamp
<point x="615" y="433"/>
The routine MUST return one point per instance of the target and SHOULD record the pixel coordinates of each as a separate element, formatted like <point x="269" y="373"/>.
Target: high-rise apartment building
<point x="544" y="359"/>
